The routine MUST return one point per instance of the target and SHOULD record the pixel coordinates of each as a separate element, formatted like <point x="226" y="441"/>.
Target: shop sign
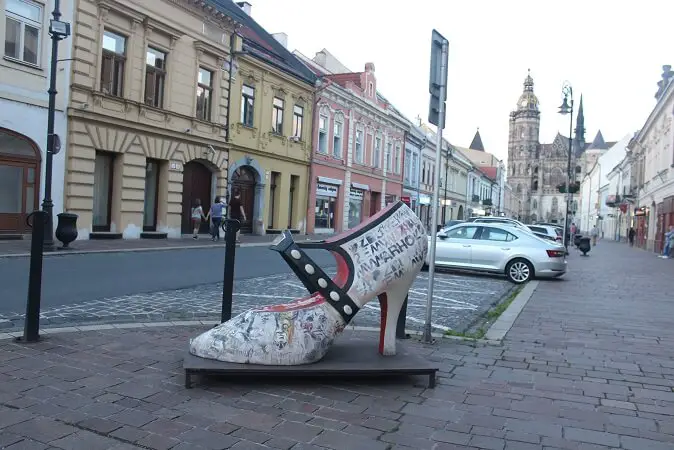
<point x="356" y="194"/>
<point x="406" y="200"/>
<point x="326" y="190"/>
<point x="424" y="200"/>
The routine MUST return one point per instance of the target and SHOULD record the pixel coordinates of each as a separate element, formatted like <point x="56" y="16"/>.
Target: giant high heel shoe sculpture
<point x="379" y="259"/>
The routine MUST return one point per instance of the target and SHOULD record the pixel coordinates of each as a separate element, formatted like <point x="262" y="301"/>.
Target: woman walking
<point x="197" y="217"/>
<point x="215" y="214"/>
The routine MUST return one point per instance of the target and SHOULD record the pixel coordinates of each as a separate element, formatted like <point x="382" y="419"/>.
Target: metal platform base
<point x="349" y="357"/>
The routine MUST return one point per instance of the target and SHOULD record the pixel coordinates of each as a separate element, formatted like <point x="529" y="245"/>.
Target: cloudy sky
<point x="610" y="51"/>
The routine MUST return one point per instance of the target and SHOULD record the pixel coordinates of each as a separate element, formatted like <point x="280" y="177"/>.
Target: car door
<point x="492" y="248"/>
<point x="454" y="250"/>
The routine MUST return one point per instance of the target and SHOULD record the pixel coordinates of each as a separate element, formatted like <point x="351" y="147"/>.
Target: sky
<point x="611" y="52"/>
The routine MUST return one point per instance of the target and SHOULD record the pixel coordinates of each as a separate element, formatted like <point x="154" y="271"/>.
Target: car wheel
<point x="519" y="271"/>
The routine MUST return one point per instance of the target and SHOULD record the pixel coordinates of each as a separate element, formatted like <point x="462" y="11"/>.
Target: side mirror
<point x="442" y="235"/>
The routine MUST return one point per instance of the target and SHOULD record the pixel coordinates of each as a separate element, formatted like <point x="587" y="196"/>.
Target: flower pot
<point x="66" y="231"/>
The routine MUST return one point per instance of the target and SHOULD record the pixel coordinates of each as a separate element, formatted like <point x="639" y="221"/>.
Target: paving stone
<point x="592" y="437"/>
<point x="337" y="440"/>
<point x="84" y="440"/>
<point x="208" y="439"/>
<point x="297" y="431"/>
<point x="41" y="429"/>
<point x="99" y="425"/>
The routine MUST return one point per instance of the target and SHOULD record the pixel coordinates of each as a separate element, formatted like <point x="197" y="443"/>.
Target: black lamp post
<point x="58" y="31"/>
<point x="567" y="108"/>
<point x="444" y="203"/>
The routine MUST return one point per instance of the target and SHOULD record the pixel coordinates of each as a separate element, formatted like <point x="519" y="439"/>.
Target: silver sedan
<point x="499" y="248"/>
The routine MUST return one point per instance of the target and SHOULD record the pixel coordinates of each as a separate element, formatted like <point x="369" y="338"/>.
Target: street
<point x="187" y="284"/>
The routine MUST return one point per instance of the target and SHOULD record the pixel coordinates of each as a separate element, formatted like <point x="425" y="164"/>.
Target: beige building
<point x="147" y="115"/>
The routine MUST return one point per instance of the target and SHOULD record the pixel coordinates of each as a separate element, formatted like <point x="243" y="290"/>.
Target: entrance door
<point x="243" y="179"/>
<point x="19" y="171"/>
<point x="197" y="180"/>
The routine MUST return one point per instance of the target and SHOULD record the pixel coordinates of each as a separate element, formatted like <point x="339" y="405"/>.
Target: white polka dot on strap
<point x="322" y="283"/>
<point x="295" y="254"/>
<point x="347" y="310"/>
<point x="309" y="269"/>
<point x="334" y="296"/>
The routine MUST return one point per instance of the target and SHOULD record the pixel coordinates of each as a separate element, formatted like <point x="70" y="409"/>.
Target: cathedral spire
<point x="580" y="128"/>
<point x="477" y="142"/>
<point x="528" y="100"/>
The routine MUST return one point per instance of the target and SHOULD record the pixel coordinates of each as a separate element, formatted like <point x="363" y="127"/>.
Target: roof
<point x="489" y="172"/>
<point x="261" y="45"/>
<point x="598" y="143"/>
<point x="477" y="142"/>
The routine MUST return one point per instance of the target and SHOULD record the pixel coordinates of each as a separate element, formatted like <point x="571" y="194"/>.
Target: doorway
<point x="19" y="184"/>
<point x="151" y="202"/>
<point x="197" y="182"/>
<point x="243" y="179"/>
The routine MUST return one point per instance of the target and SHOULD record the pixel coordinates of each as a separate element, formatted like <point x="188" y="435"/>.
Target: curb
<point x="131" y="250"/>
<point x="504" y="323"/>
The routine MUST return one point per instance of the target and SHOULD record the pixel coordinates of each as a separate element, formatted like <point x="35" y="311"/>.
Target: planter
<point x="66" y="231"/>
<point x="584" y="245"/>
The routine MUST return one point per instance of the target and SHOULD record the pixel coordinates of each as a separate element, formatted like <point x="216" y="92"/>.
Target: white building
<point x="25" y="60"/>
<point x="654" y="166"/>
<point x="620" y="185"/>
<point x="414" y="142"/>
<point x="595" y="191"/>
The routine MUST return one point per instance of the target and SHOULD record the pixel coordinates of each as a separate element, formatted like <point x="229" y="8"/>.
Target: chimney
<point x="282" y="38"/>
<point x="320" y="58"/>
<point x="245" y="6"/>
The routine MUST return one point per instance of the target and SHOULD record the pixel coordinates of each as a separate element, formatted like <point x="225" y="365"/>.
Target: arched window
<point x="557" y="177"/>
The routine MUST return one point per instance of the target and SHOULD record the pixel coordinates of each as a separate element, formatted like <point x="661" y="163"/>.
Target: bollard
<point x="31" y="322"/>
<point x="402" y="317"/>
<point x="231" y="227"/>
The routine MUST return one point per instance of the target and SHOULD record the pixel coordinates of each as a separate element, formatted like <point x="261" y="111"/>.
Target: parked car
<point x="548" y="232"/>
<point x="499" y="248"/>
<point x="451" y="223"/>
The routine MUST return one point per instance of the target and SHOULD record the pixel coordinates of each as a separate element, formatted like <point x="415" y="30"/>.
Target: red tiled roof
<point x="490" y="172"/>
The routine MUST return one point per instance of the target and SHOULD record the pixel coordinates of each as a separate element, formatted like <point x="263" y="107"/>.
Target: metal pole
<point x="568" y="178"/>
<point x="47" y="203"/>
<point x="31" y="321"/>
<point x="436" y="196"/>
<point x="231" y="228"/>
<point x="444" y="205"/>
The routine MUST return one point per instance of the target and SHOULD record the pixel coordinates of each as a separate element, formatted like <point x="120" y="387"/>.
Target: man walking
<point x="669" y="243"/>
<point x="594" y="233"/>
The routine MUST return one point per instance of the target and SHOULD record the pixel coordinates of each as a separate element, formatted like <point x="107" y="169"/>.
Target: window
<point x="496" y="234"/>
<point x="298" y="121"/>
<point x="377" y="152"/>
<point x="337" y="139"/>
<point x="23" y="22"/>
<point x="396" y="159"/>
<point x="277" y="116"/>
<point x="359" y="147"/>
<point x="467" y="232"/>
<point x="387" y="157"/>
<point x="112" y="68"/>
<point x="204" y="94"/>
<point x="414" y="169"/>
<point x="323" y="134"/>
<point x="247" y="105"/>
<point x="408" y="157"/>
<point x="155" y="75"/>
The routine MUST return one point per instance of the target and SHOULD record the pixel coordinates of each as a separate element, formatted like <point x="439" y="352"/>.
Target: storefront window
<point x="390" y="199"/>
<point x="355" y="207"/>
<point x="326" y="204"/>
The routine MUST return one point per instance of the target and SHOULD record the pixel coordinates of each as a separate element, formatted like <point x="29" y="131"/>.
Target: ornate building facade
<point x="535" y="170"/>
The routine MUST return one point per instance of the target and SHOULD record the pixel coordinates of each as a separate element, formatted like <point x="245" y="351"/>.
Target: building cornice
<point x="655" y="113"/>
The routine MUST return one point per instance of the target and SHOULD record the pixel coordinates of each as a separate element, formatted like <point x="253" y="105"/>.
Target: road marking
<point x="422" y="295"/>
<point x="412" y="318"/>
<point x="264" y="296"/>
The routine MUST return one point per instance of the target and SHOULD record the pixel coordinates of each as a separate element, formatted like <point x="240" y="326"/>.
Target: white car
<point x="499" y="248"/>
<point x="548" y="232"/>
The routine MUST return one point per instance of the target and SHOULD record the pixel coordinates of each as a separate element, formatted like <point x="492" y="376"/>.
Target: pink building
<point x="359" y="142"/>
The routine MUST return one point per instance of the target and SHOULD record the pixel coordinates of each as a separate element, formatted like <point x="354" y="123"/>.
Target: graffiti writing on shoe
<point x="387" y="252"/>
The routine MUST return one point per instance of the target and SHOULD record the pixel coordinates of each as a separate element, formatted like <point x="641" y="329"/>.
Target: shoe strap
<point x="299" y="262"/>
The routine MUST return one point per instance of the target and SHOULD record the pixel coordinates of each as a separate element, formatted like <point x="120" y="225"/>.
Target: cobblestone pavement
<point x="588" y="365"/>
<point x="458" y="301"/>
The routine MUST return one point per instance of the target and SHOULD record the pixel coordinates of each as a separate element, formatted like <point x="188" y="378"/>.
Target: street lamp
<point x="58" y="30"/>
<point x="567" y="108"/>
<point x="448" y="155"/>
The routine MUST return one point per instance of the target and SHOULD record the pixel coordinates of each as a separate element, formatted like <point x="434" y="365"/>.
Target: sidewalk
<point x="588" y="364"/>
<point x="22" y="247"/>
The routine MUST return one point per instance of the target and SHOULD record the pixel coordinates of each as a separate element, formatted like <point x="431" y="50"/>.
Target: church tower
<point x="523" y="145"/>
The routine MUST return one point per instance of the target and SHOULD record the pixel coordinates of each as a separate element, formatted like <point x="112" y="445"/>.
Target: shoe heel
<point x="391" y="302"/>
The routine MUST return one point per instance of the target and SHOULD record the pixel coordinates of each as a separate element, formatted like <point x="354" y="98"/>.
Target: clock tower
<point x="523" y="147"/>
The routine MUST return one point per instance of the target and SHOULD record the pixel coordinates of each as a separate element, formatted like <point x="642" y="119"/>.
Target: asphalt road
<point x="74" y="279"/>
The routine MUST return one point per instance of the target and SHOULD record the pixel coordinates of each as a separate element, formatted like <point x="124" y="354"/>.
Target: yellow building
<point x="147" y="115"/>
<point x="270" y="131"/>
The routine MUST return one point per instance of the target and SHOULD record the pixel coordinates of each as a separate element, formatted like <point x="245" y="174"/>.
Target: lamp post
<point x="58" y="31"/>
<point x="444" y="203"/>
<point x="567" y="108"/>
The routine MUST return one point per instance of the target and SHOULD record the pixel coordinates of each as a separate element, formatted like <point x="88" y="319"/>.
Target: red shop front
<point x="641" y="216"/>
<point x="665" y="218"/>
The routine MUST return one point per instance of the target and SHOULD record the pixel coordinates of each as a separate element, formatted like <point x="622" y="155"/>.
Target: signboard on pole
<point x="437" y="79"/>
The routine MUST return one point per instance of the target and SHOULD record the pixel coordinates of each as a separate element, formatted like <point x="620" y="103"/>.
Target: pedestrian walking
<point x="197" y="217"/>
<point x="669" y="243"/>
<point x="215" y="215"/>
<point x="236" y="210"/>
<point x="630" y="235"/>
<point x="594" y="233"/>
